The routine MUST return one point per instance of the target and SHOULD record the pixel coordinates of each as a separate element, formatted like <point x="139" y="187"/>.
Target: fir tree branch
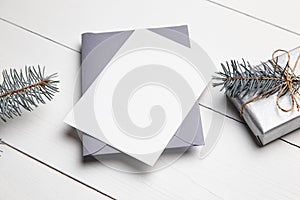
<point x="40" y="83"/>
<point x="241" y="79"/>
<point x="25" y="90"/>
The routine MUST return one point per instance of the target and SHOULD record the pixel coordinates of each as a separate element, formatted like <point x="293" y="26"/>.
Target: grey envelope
<point x="190" y="132"/>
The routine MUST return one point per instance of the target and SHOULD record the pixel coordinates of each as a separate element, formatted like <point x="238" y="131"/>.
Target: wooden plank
<point x="43" y="134"/>
<point x="281" y="13"/>
<point x="236" y="168"/>
<point x="293" y="138"/>
<point x="236" y="159"/>
<point x="24" y="178"/>
<point x="222" y="33"/>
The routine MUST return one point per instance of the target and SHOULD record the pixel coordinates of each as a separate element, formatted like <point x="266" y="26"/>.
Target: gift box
<point x="263" y="116"/>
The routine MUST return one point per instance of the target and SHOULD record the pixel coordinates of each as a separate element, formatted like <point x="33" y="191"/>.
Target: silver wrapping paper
<point x="264" y="118"/>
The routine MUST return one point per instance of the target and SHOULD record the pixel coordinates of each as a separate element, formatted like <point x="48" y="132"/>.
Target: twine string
<point x="287" y="83"/>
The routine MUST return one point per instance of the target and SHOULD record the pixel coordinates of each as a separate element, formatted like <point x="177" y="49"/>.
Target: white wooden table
<point x="42" y="158"/>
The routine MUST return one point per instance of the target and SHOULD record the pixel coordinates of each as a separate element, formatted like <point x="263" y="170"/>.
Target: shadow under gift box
<point x="264" y="118"/>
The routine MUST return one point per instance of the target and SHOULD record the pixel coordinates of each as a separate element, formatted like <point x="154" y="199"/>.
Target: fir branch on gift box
<point x="25" y="89"/>
<point x="242" y="79"/>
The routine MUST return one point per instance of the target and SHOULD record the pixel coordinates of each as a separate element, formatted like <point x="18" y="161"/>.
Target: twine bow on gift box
<point x="242" y="80"/>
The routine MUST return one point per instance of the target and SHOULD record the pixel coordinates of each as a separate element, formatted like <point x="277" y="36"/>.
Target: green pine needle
<point x="25" y="89"/>
<point x="241" y="79"/>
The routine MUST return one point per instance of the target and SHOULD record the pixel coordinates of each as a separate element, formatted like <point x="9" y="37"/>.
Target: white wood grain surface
<point x="224" y="34"/>
<point x="236" y="169"/>
<point x="24" y="178"/>
<point x="281" y="13"/>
